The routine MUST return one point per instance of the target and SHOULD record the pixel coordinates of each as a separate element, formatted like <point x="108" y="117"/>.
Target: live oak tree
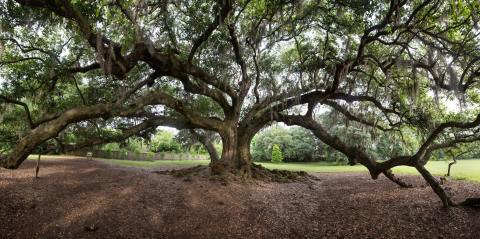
<point x="391" y="67"/>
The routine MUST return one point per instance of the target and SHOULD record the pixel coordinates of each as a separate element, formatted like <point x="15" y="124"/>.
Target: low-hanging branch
<point x="9" y="100"/>
<point x="54" y="126"/>
<point x="353" y="117"/>
<point x="150" y="123"/>
<point x="357" y="155"/>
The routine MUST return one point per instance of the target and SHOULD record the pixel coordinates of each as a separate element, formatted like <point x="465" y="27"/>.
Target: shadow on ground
<point x="76" y="198"/>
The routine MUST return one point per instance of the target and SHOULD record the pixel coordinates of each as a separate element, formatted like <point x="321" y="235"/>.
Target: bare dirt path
<point x="76" y="198"/>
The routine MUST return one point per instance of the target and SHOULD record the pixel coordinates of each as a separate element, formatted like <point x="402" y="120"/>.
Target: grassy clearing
<point x="308" y="167"/>
<point x="316" y="167"/>
<point x="463" y="170"/>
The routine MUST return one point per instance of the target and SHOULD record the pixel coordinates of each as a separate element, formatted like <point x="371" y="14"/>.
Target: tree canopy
<point x="109" y="69"/>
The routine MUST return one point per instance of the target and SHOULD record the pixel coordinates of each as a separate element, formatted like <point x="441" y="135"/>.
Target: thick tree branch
<point x="420" y="155"/>
<point x="207" y="143"/>
<point x="224" y="7"/>
<point x="353" y="117"/>
<point x="51" y="128"/>
<point x="149" y="123"/>
<point x="22" y="104"/>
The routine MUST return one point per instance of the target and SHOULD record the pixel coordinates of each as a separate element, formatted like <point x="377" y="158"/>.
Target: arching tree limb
<point x="207" y="143"/>
<point x="437" y="188"/>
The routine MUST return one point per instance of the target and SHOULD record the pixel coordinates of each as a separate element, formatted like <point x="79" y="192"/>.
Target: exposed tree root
<point x="274" y="175"/>
<point x="258" y="172"/>
<point x="471" y="202"/>
<point x="389" y="174"/>
<point x="192" y="171"/>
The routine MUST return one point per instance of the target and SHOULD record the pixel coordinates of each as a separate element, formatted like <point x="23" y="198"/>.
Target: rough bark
<point x="212" y="152"/>
<point x="236" y="158"/>
<point x="236" y="134"/>
<point x="355" y="154"/>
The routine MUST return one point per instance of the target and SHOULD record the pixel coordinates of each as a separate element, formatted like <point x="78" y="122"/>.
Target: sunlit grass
<point x="315" y="167"/>
<point x="308" y="167"/>
<point x="464" y="169"/>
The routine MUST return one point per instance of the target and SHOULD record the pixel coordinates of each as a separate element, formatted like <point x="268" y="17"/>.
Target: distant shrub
<point x="164" y="141"/>
<point x="297" y="144"/>
<point x="277" y="156"/>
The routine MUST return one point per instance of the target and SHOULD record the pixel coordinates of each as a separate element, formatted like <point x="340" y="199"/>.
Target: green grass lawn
<point x="316" y="167"/>
<point x="463" y="170"/>
<point x="308" y="167"/>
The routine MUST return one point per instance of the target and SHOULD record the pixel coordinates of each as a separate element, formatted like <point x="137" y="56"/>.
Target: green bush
<point x="297" y="144"/>
<point x="164" y="141"/>
<point x="277" y="156"/>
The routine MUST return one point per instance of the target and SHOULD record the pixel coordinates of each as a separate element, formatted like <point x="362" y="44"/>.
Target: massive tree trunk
<point x="236" y="157"/>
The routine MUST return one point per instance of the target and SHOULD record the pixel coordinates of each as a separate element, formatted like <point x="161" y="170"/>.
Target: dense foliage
<point x="164" y="141"/>
<point x="399" y="71"/>
<point x="297" y="144"/>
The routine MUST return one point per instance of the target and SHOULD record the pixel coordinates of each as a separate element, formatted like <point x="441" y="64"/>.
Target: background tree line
<point x="296" y="143"/>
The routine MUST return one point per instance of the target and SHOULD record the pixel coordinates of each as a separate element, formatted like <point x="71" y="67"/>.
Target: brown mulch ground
<point x="89" y="199"/>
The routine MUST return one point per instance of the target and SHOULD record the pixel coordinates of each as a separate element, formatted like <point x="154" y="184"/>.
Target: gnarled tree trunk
<point x="236" y="157"/>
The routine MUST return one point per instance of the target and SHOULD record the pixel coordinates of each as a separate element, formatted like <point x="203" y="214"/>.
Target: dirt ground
<point x="76" y="198"/>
